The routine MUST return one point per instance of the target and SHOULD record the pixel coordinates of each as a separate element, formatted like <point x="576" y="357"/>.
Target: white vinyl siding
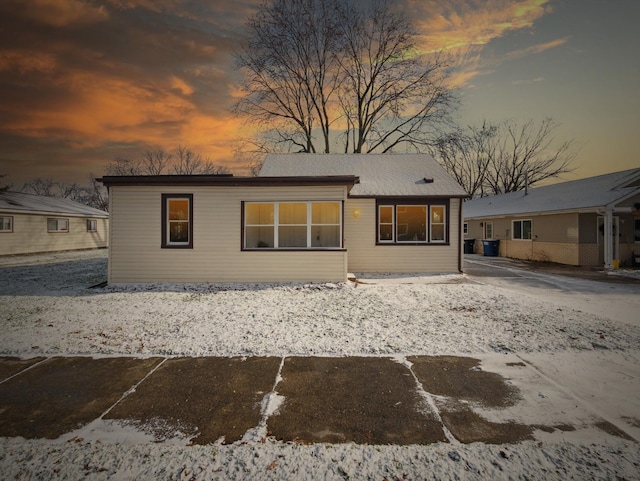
<point x="368" y="255"/>
<point x="30" y="235"/>
<point x="217" y="255"/>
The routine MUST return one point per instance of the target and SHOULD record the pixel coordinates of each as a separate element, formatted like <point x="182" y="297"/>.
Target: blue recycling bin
<point x="491" y="247"/>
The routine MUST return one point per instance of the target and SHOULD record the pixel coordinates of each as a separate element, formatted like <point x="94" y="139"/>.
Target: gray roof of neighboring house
<point x="20" y="203"/>
<point x="583" y="194"/>
<point x="380" y="175"/>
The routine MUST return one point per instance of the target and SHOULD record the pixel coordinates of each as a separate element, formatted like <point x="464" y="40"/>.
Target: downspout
<point x="608" y="237"/>
<point x="460" y="235"/>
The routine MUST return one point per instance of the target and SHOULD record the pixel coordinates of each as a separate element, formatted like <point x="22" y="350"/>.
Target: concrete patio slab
<point x="65" y="393"/>
<point x="357" y="399"/>
<point x="205" y="398"/>
<point x="10" y="366"/>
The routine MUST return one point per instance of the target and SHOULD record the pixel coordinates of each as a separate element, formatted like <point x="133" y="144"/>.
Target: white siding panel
<point x="366" y="256"/>
<point x="30" y="235"/>
<point x="136" y="254"/>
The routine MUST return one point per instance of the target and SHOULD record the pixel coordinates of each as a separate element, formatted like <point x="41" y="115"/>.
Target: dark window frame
<point x="413" y="201"/>
<point x="6" y="231"/>
<point x="58" y="231"/>
<point x="165" y="244"/>
<point x="92" y="225"/>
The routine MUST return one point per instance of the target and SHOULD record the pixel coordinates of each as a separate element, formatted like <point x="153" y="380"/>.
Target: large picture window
<point x="412" y="224"/>
<point x="177" y="220"/>
<point x="521" y="229"/>
<point x="292" y="225"/>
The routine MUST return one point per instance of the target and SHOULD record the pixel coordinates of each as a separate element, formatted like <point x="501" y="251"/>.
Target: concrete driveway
<point x="367" y="400"/>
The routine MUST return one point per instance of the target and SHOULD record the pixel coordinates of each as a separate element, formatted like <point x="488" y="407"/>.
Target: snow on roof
<point x="18" y="202"/>
<point x="380" y="174"/>
<point x="589" y="193"/>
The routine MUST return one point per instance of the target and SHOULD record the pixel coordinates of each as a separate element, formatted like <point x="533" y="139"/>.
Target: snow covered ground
<point x="582" y="337"/>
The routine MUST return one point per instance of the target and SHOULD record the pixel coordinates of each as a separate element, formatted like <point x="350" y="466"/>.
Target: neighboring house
<point x="304" y="218"/>
<point x="34" y="224"/>
<point x="586" y="222"/>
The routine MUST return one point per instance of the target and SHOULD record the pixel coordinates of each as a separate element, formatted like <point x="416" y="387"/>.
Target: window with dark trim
<point x="177" y="221"/>
<point x="406" y="222"/>
<point x="292" y="225"/>
<point x="521" y="229"/>
<point x="465" y="228"/>
<point x="57" y="225"/>
<point x="6" y="223"/>
<point x="92" y="225"/>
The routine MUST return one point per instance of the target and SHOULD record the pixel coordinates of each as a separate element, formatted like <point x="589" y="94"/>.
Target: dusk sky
<point x="84" y="82"/>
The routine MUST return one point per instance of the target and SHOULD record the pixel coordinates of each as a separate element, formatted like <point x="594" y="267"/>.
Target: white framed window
<point x="177" y="221"/>
<point x="292" y="225"/>
<point x="438" y="223"/>
<point x="6" y="223"/>
<point x="57" y="225"/>
<point x="521" y="229"/>
<point x="488" y="230"/>
<point x="386" y="222"/>
<point x="412" y="224"/>
<point x="92" y="225"/>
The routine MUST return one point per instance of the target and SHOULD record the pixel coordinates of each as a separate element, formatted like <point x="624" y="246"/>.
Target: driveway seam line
<point x="28" y="368"/>
<point x="429" y="398"/>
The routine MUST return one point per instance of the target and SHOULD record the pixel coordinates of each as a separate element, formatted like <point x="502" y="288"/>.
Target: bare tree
<point x="392" y="93"/>
<point x="350" y="75"/>
<point x="496" y="158"/>
<point x="467" y="156"/>
<point x="94" y="195"/>
<point x="187" y="162"/>
<point x="157" y="162"/>
<point x="5" y="187"/>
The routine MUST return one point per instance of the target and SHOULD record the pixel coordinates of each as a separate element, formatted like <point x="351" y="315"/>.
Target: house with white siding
<point x="305" y="217"/>
<point x="32" y="224"/>
<point x="587" y="222"/>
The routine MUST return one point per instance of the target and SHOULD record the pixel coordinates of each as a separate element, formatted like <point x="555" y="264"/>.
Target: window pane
<point x="325" y="213"/>
<point x="411" y="220"/>
<point x="526" y="229"/>
<point x="437" y="215"/>
<point x="178" y="209"/>
<point x="52" y="224"/>
<point x="259" y="237"/>
<point x="259" y="214"/>
<point x="291" y="213"/>
<point x="517" y="230"/>
<point x="325" y="236"/>
<point x="63" y="224"/>
<point x="179" y="232"/>
<point x="437" y="232"/>
<point x="386" y="232"/>
<point x="386" y="214"/>
<point x="292" y="236"/>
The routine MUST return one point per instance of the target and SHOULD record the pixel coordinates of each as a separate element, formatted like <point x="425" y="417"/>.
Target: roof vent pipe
<point x="526" y="183"/>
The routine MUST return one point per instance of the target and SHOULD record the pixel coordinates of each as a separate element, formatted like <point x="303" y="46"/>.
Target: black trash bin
<point x="468" y="246"/>
<point x="491" y="247"/>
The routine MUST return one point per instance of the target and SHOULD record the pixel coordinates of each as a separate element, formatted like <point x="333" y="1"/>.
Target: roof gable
<point x="381" y="175"/>
<point x="18" y="202"/>
<point x="590" y="193"/>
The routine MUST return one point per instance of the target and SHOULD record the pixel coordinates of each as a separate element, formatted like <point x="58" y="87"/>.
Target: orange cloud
<point x="57" y="13"/>
<point x="460" y="23"/>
